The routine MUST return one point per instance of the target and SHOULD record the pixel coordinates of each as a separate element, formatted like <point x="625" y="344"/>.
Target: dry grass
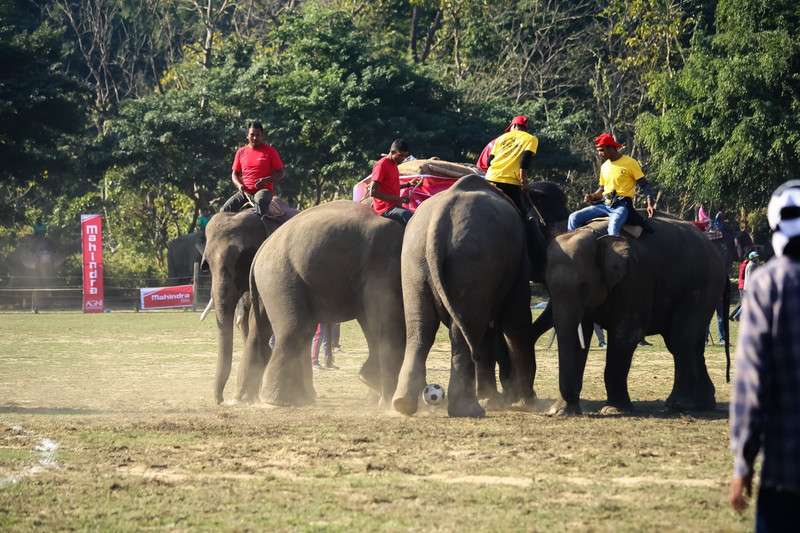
<point x="107" y="423"/>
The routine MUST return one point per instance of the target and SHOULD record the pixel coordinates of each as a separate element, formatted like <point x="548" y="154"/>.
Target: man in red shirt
<point x="256" y="168"/>
<point x="386" y="199"/>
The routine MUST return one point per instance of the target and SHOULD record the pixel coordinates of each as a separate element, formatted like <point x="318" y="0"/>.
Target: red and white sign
<point x="92" y="240"/>
<point x="167" y="297"/>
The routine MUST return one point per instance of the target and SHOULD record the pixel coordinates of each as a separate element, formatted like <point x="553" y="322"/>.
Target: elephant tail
<point x="726" y="306"/>
<point x="438" y="240"/>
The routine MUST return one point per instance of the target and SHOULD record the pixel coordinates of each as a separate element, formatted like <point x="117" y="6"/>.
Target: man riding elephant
<point x="618" y="178"/>
<point x="256" y="168"/>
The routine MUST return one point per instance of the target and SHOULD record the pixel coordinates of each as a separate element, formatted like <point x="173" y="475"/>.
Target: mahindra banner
<point x="92" y="240"/>
<point x="166" y="297"/>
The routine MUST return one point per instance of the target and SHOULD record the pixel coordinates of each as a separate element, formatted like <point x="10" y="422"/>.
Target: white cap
<point x="784" y="222"/>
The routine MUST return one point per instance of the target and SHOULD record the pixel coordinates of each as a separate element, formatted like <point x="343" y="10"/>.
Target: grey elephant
<point x="468" y="257"/>
<point x="332" y="263"/>
<point x="667" y="282"/>
<point x="232" y="240"/>
<point x="182" y="253"/>
<point x="34" y="261"/>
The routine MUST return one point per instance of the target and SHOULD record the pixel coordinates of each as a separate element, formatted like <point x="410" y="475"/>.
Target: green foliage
<point x="42" y="109"/>
<point x="730" y="130"/>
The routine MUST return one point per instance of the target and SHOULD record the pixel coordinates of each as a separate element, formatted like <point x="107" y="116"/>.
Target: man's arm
<point x="648" y="192"/>
<point x="524" y="163"/>
<point x="592" y="197"/>
<point x="236" y="178"/>
<point x="385" y="196"/>
<point x="277" y="175"/>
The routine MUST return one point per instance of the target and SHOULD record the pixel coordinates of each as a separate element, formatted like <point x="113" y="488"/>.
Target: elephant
<point x="34" y="261"/>
<point x="332" y="263"/>
<point x="467" y="260"/>
<point x="666" y="282"/>
<point x="182" y="253"/>
<point x="232" y="240"/>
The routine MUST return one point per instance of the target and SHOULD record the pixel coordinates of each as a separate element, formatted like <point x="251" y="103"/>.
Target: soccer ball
<point x="433" y="394"/>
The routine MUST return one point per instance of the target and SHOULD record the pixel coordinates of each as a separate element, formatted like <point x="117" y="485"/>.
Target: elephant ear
<point x="615" y="258"/>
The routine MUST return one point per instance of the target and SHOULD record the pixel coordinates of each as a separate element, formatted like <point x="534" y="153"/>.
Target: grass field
<point x="107" y="423"/>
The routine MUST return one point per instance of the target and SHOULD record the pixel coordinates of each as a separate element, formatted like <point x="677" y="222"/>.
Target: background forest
<point x="133" y="109"/>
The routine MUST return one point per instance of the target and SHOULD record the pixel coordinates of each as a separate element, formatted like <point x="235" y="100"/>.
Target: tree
<point x="730" y="129"/>
<point x="41" y="110"/>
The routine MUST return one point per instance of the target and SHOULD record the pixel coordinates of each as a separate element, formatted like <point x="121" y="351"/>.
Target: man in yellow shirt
<point x="510" y="159"/>
<point x="618" y="177"/>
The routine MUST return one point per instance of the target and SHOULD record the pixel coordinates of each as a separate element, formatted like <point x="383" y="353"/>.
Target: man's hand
<point x="416" y="182"/>
<point x="261" y="183"/>
<point x="741" y="491"/>
<point x="589" y="198"/>
<point x="651" y="211"/>
<point x="526" y="186"/>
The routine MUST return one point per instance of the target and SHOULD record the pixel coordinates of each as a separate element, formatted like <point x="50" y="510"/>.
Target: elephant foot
<point x="611" y="410"/>
<point x="373" y="397"/>
<point x="294" y="400"/>
<point x="405" y="405"/>
<point x="371" y="381"/>
<point x="564" y="408"/>
<point x="465" y="409"/>
<point x="526" y="404"/>
<point x="492" y="402"/>
<point x="683" y="404"/>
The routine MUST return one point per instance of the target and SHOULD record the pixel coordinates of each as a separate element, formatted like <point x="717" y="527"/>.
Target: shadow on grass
<point x="650" y="409"/>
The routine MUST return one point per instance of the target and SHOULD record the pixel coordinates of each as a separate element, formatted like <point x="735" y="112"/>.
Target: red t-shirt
<point x="483" y="160"/>
<point x="387" y="174"/>
<point x="256" y="163"/>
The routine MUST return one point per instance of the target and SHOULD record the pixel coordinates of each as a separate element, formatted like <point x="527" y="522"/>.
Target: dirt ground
<point x="107" y="423"/>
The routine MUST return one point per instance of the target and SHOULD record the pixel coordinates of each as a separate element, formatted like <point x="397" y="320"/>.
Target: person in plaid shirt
<point x="765" y="394"/>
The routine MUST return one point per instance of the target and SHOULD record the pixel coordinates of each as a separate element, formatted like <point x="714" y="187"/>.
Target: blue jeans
<point x="775" y="510"/>
<point x="400" y="214"/>
<point x="616" y="217"/>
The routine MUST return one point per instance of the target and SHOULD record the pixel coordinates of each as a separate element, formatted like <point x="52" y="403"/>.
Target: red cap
<point x="518" y="120"/>
<point x="606" y="140"/>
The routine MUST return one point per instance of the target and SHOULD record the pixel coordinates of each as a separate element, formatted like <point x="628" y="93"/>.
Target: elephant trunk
<point x="225" y="310"/>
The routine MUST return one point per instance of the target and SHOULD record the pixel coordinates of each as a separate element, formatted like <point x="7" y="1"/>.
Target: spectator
<point x="202" y="221"/>
<point x="39" y="227"/>
<point x="738" y="309"/>
<point x="483" y="160"/>
<point x="702" y="216"/>
<point x="765" y="393"/>
<point x="323" y="336"/>
<point x="601" y="339"/>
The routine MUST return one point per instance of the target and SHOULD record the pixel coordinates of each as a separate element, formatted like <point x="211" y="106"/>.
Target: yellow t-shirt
<point x="507" y="154"/>
<point x="620" y="176"/>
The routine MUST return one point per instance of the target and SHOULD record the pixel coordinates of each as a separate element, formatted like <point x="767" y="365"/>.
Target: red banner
<point x="92" y="240"/>
<point x="167" y="297"/>
<point x="430" y="186"/>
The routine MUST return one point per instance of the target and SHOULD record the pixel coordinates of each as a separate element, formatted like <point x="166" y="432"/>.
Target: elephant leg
<point x="571" y="366"/>
<point x="693" y="388"/>
<point x="518" y="332"/>
<point x="422" y="323"/>
<point x="619" y="355"/>
<point x="492" y="352"/>
<point x="381" y="369"/>
<point x="255" y="358"/>
<point x="462" y="398"/>
<point x="288" y="380"/>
